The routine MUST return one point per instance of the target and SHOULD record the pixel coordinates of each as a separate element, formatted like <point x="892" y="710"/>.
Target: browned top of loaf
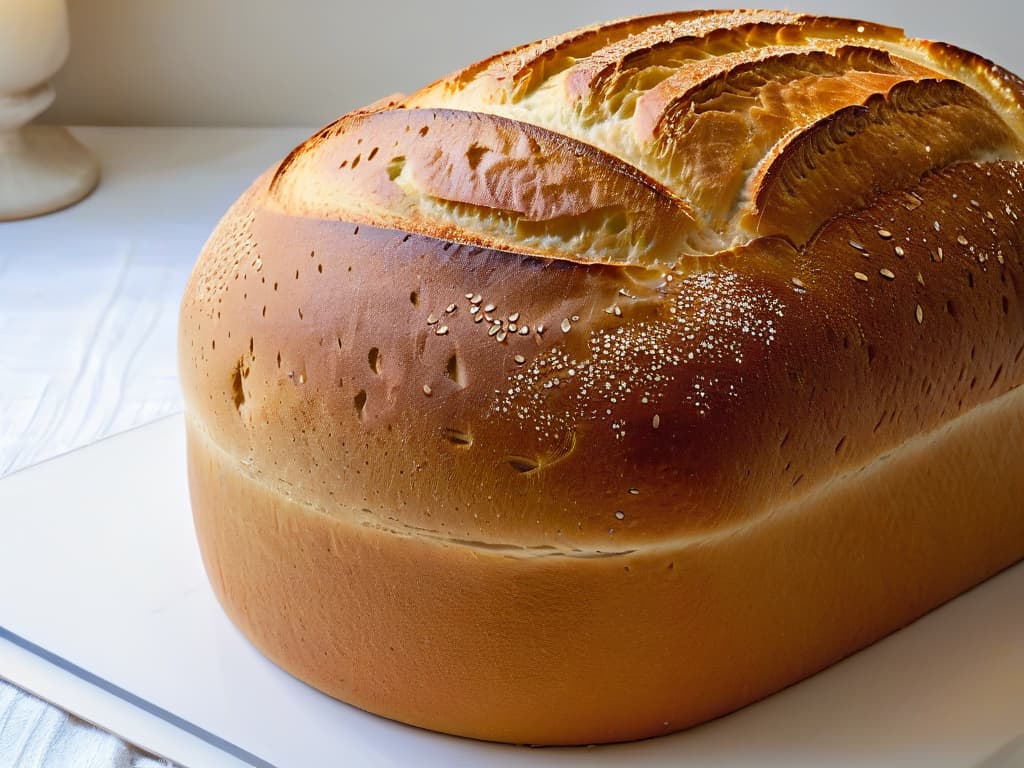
<point x="647" y="279"/>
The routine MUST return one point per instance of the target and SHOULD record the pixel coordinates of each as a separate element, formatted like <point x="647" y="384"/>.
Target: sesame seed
<point x="478" y="319"/>
<point x="493" y="330"/>
<point x="911" y="201"/>
<point x="469" y="295"/>
<point x="512" y="327"/>
<point x="524" y="330"/>
<point x="854" y="244"/>
<point x="442" y="330"/>
<point x="935" y="224"/>
<point x="899" y="251"/>
<point x="920" y="278"/>
<point x="617" y="311"/>
<point x="887" y="274"/>
<point x="475" y="299"/>
<point x="620" y="515"/>
<point x="474" y="309"/>
<point x="939" y="253"/>
<point x="501" y="335"/>
<point x="513" y="317"/>
<point x="634" y="491"/>
<point x="798" y="282"/>
<point x="540" y="329"/>
<point x="860" y="29"/>
<point x="975" y="204"/>
<point x="565" y="325"/>
<point x="656" y="421"/>
<point x="861" y="276"/>
<point x="489" y="308"/>
<point x="427" y="390"/>
<point x="961" y="239"/>
<point x="450" y="308"/>
<point x="431" y="319"/>
<point x="519" y="359"/>
<point x="885" y="234"/>
<point x="919" y="314"/>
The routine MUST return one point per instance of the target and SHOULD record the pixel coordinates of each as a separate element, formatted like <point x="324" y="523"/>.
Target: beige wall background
<point x="304" y="62"/>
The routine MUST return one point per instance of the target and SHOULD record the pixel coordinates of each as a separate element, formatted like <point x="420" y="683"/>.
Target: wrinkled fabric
<point x="34" y="734"/>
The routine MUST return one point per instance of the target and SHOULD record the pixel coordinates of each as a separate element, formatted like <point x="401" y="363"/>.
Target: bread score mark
<point x="842" y="162"/>
<point x="489" y="181"/>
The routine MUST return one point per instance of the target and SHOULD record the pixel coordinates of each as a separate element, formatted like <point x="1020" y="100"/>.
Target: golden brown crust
<point x="511" y="329"/>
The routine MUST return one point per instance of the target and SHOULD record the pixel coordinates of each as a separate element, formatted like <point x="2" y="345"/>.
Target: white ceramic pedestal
<point x="42" y="168"/>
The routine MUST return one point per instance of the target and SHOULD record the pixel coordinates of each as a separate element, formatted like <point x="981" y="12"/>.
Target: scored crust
<point x="607" y="295"/>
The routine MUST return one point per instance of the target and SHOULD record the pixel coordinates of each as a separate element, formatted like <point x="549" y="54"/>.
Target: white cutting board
<point x="102" y="577"/>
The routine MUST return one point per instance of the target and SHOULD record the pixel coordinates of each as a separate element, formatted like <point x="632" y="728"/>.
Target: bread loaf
<point x="621" y="379"/>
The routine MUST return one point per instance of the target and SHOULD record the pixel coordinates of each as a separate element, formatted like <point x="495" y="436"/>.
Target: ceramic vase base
<point x="42" y="169"/>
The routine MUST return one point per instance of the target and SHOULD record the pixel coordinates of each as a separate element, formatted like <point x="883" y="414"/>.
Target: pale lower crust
<point x="565" y="650"/>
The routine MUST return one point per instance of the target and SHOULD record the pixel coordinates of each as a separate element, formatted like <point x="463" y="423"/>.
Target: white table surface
<point x="88" y="312"/>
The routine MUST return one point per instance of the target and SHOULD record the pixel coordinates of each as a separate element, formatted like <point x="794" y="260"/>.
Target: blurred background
<point x="304" y="62"/>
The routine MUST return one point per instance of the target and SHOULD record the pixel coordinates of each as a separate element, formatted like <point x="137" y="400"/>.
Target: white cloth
<point x="34" y="734"/>
<point x="88" y="330"/>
